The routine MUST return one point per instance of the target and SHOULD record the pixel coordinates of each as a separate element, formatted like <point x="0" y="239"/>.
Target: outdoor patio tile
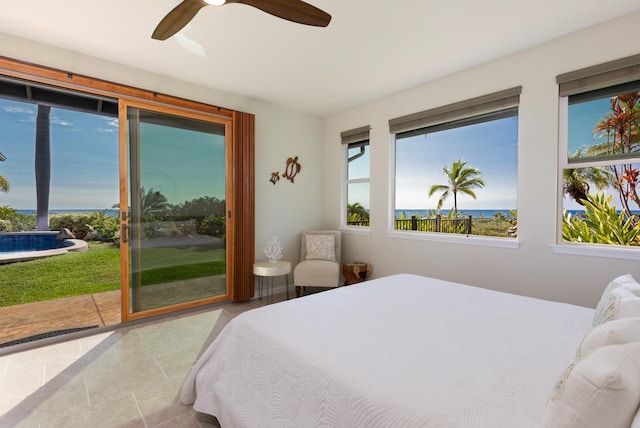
<point x="17" y="322"/>
<point x="109" y="306"/>
<point x="52" y="325"/>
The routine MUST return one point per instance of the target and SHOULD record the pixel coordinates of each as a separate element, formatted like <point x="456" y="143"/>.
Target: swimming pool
<point x="22" y="246"/>
<point x="28" y="241"/>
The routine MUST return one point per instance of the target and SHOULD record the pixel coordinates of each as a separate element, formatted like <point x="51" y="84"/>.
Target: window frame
<point x="582" y="81"/>
<point x="467" y="112"/>
<point x="349" y="139"/>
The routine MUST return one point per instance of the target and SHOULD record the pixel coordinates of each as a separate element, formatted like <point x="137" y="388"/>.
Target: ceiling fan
<point x="291" y="10"/>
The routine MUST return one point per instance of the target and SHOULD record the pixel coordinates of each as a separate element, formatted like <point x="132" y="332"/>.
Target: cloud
<point x="10" y="109"/>
<point x="61" y="122"/>
<point x="31" y="116"/>
<point x="111" y="125"/>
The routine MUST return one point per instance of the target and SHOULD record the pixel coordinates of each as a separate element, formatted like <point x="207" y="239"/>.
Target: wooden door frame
<point x="240" y="172"/>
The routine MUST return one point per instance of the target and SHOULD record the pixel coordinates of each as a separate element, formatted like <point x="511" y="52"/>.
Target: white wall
<point x="532" y="269"/>
<point x="284" y="209"/>
<point x="314" y="200"/>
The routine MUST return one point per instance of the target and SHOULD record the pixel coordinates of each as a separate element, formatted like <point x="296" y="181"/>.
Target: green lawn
<point x="97" y="270"/>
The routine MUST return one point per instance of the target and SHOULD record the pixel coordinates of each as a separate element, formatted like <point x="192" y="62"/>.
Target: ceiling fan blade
<point x="177" y="19"/>
<point x="291" y="10"/>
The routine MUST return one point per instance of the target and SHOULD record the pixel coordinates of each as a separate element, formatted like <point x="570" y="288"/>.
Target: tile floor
<point x="129" y="377"/>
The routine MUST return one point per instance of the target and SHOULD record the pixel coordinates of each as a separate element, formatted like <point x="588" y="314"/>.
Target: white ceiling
<point x="371" y="48"/>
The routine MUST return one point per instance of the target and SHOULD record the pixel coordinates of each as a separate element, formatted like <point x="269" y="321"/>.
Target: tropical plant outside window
<point x="601" y="204"/>
<point x="459" y="177"/>
<point x="357" y="176"/>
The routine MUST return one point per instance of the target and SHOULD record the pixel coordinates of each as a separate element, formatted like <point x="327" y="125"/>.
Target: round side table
<point x="267" y="269"/>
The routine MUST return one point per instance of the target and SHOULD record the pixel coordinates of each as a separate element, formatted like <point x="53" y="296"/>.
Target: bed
<point x="398" y="351"/>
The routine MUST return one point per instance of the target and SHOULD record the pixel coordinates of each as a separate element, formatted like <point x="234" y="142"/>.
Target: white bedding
<point x="400" y="351"/>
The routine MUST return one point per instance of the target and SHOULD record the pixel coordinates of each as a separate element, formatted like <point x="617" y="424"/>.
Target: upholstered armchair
<point x="319" y="260"/>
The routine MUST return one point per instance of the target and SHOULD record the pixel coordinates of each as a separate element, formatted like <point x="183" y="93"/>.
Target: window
<point x="600" y="154"/>
<point x="456" y="167"/>
<point x="356" y="142"/>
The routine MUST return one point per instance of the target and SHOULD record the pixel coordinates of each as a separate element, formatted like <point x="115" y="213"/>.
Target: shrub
<point x="213" y="225"/>
<point x="12" y="221"/>
<point x="602" y="224"/>
<point x="95" y="226"/>
<point x="77" y="223"/>
<point x="104" y="228"/>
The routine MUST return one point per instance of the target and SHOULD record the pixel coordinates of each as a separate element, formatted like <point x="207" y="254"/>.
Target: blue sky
<point x="182" y="175"/>
<point x="583" y="117"/>
<point x="84" y="160"/>
<point x="491" y="147"/>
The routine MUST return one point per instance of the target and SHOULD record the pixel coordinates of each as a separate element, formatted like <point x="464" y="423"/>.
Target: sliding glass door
<point x="173" y="209"/>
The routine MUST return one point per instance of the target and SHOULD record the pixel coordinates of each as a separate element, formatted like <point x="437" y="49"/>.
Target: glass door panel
<point x="175" y="224"/>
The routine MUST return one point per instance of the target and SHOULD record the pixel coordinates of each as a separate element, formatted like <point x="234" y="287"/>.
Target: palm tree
<point x="4" y="184"/>
<point x="43" y="166"/>
<point x="499" y="217"/>
<point x="356" y="212"/>
<point x="576" y="181"/>
<point x="620" y="132"/>
<point x="461" y="179"/>
<point x="152" y="202"/>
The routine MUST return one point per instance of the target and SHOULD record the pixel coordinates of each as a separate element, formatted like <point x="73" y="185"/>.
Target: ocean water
<point x="398" y="213"/>
<point x="110" y="212"/>
<point x="474" y="213"/>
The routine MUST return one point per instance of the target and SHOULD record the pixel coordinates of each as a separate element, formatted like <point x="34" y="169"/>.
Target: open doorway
<point x="60" y="170"/>
<point x="110" y="210"/>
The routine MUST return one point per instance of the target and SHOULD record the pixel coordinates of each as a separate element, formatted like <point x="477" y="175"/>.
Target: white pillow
<point x="636" y="421"/>
<point x="628" y="301"/>
<point x="607" y="308"/>
<point x="615" y="332"/>
<point x="602" y="390"/>
<point x="321" y="247"/>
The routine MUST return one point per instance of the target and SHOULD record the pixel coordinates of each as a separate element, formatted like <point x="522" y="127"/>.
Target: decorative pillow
<point x="607" y="308"/>
<point x="321" y="247"/>
<point x="602" y="390"/>
<point x="628" y="301"/>
<point x="615" y="332"/>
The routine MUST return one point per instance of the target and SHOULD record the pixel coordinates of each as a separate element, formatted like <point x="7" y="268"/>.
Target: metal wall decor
<point x="292" y="169"/>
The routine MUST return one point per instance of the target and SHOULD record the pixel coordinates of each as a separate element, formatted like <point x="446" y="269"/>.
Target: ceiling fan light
<point x="215" y="2"/>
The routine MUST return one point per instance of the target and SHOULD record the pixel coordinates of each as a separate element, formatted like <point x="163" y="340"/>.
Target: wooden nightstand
<point x="355" y="272"/>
